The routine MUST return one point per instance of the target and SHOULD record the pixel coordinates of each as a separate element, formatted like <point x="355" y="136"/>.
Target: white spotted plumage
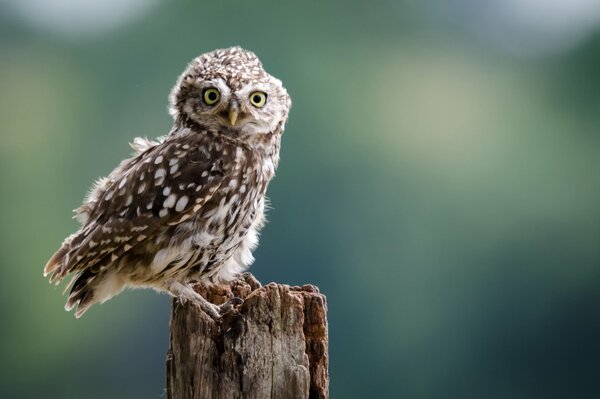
<point x="188" y="206"/>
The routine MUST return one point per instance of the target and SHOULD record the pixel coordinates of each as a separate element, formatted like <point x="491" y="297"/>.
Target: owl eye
<point x="211" y="96"/>
<point x="258" y="99"/>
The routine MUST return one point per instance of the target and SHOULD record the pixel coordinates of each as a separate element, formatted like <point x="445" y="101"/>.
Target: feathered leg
<point x="186" y="293"/>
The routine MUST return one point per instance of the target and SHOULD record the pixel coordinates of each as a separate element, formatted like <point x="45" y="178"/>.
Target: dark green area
<point x="443" y="195"/>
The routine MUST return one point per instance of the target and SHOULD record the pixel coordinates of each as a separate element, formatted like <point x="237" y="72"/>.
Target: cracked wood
<point x="274" y="346"/>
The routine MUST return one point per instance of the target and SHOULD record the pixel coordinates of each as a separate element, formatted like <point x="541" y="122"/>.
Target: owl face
<point x="230" y="92"/>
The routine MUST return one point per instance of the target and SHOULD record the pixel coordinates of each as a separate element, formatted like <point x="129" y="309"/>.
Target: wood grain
<point x="274" y="346"/>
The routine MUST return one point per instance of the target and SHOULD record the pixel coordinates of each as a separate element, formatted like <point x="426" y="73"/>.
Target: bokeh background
<point x="439" y="182"/>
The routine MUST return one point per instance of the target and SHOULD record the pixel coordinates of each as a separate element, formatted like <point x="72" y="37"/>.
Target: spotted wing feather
<point x="164" y="185"/>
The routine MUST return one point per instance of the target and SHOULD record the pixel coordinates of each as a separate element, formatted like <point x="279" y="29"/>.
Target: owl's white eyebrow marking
<point x="181" y="203"/>
<point x="158" y="159"/>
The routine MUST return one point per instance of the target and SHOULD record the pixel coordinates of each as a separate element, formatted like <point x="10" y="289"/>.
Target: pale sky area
<point x="520" y="27"/>
<point x="76" y="18"/>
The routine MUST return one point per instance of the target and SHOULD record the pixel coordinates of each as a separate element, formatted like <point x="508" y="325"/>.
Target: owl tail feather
<point x="82" y="293"/>
<point x="58" y="260"/>
<point x="91" y="287"/>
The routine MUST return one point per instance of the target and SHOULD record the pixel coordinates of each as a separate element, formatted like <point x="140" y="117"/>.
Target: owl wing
<point x="164" y="185"/>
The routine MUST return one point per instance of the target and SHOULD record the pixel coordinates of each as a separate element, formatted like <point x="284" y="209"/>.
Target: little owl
<point x="187" y="207"/>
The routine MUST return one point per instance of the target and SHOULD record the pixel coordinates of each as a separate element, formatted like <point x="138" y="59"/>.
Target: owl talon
<point x="185" y="293"/>
<point x="230" y="305"/>
<point x="212" y="310"/>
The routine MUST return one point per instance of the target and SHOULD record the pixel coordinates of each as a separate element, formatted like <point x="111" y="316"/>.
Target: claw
<point x="230" y="305"/>
<point x="213" y="311"/>
<point x="236" y="301"/>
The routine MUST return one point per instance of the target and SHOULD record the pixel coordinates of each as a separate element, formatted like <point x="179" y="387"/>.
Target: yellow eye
<point x="258" y="99"/>
<point x="211" y="96"/>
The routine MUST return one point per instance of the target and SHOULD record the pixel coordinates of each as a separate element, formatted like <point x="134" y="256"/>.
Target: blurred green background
<point x="439" y="181"/>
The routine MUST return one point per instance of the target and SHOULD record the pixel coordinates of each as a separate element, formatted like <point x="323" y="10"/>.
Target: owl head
<point x="228" y="91"/>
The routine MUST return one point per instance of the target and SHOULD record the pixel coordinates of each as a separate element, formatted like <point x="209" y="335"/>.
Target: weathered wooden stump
<point x="273" y="346"/>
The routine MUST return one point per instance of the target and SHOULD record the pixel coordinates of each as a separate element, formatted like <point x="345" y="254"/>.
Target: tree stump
<point x="273" y="346"/>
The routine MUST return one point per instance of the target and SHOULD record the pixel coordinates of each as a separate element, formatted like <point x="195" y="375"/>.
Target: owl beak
<point x="234" y="110"/>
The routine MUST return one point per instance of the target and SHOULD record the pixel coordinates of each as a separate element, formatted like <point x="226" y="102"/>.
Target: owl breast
<point x="216" y="243"/>
<point x="223" y="238"/>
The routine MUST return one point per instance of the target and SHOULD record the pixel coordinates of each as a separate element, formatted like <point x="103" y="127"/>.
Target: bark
<point x="273" y="346"/>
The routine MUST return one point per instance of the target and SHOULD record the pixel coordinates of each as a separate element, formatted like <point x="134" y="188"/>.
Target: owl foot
<point x="186" y="293"/>
<point x="209" y="308"/>
<point x="230" y="305"/>
<point x="217" y="311"/>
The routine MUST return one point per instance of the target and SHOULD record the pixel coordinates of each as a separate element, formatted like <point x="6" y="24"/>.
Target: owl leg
<point x="186" y="293"/>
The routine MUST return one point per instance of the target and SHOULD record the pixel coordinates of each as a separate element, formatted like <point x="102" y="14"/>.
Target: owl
<point x="187" y="207"/>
